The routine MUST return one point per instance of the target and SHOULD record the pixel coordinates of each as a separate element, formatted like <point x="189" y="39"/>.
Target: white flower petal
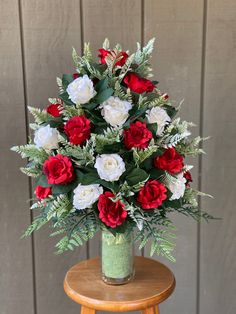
<point x="86" y="195"/>
<point x="110" y="167"/>
<point x="81" y="90"/>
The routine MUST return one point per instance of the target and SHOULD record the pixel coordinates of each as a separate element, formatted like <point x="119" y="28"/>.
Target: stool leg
<point x="87" y="310"/>
<point x="151" y="310"/>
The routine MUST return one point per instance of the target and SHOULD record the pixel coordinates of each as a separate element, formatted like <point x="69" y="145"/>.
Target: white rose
<point x="159" y="116"/>
<point x="81" y="90"/>
<point x="115" y="111"/>
<point x="86" y="195"/>
<point x="177" y="187"/>
<point x="46" y="137"/>
<point x="110" y="166"/>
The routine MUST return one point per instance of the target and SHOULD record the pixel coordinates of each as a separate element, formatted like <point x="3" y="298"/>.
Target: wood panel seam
<point x="27" y="135"/>
<point x="201" y="131"/>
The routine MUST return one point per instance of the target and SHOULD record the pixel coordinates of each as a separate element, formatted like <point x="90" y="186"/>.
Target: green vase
<point x="117" y="258"/>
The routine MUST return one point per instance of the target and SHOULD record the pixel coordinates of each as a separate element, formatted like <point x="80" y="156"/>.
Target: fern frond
<point x="31" y="171"/>
<point x="82" y="156"/>
<point x="142" y="154"/>
<point x="40" y="116"/>
<point x="37" y="223"/>
<point x="109" y="136"/>
<point x="31" y="152"/>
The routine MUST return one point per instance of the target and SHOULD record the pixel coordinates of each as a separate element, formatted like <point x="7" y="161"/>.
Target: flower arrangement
<point x="109" y="154"/>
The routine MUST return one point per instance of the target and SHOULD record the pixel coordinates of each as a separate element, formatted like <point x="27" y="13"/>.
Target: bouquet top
<point x="108" y="153"/>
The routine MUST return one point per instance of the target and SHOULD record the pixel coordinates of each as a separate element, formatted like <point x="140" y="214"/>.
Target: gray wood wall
<point x="195" y="59"/>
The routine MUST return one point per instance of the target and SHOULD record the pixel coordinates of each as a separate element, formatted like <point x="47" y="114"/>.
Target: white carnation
<point x="110" y="166"/>
<point x="177" y="187"/>
<point x="115" y="111"/>
<point x="159" y="116"/>
<point x="46" y="137"/>
<point x="86" y="195"/>
<point x="81" y="90"/>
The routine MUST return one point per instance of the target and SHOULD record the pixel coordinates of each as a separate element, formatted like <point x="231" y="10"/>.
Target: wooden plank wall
<point x="194" y="59"/>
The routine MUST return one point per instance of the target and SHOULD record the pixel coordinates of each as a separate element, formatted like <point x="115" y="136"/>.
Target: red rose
<point x="170" y="161"/>
<point x="138" y="84"/>
<point x="111" y="213"/>
<point x="152" y="194"/>
<point x="103" y="53"/>
<point x="188" y="177"/>
<point x="53" y="110"/>
<point x="137" y="135"/>
<point x="42" y="192"/>
<point x="78" y="129"/>
<point x="58" y="169"/>
<point x="75" y="75"/>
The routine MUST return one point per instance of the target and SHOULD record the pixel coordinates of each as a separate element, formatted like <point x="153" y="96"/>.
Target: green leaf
<point x="101" y="85"/>
<point x="66" y="80"/>
<point x="89" y="106"/>
<point x="103" y="95"/>
<point x="64" y="96"/>
<point x="89" y="177"/>
<point x="153" y="128"/>
<point x="63" y="188"/>
<point x="136" y="175"/>
<point x="42" y="180"/>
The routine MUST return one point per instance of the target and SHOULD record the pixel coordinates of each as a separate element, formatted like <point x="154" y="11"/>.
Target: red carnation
<point x="138" y="135"/>
<point x="152" y="194"/>
<point x="170" y="161"/>
<point x="42" y="192"/>
<point x="58" y="169"/>
<point x="111" y="213"/>
<point x="53" y="110"/>
<point x="103" y="53"/>
<point x="188" y="177"/>
<point x="138" y="84"/>
<point x="78" y="129"/>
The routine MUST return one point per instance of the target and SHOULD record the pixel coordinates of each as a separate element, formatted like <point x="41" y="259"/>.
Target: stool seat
<point x="152" y="284"/>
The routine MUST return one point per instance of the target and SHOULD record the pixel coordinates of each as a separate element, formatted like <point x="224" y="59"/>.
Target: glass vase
<point x="117" y="258"/>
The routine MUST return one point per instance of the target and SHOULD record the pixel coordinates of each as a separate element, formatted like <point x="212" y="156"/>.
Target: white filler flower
<point x="177" y="187"/>
<point x="86" y="195"/>
<point x="115" y="111"/>
<point x="110" y="166"/>
<point x="81" y="90"/>
<point x="46" y="137"/>
<point x="159" y="116"/>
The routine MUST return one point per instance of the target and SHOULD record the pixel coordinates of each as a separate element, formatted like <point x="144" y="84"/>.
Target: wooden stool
<point x="153" y="283"/>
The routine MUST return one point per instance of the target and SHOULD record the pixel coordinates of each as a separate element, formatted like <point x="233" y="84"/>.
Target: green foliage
<point x="140" y="155"/>
<point x="142" y="59"/>
<point x="120" y="92"/>
<point x="109" y="136"/>
<point x="175" y="132"/>
<point x="78" y="227"/>
<point x="31" y="171"/>
<point x="37" y="223"/>
<point x="59" y="207"/>
<point x="31" y="152"/>
<point x="190" y="147"/>
<point x="40" y="116"/>
<point x="81" y="155"/>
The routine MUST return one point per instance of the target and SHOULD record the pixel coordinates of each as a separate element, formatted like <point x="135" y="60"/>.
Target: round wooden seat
<point x="153" y="283"/>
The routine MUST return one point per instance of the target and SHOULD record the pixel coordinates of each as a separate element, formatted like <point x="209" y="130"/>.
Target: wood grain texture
<point x="120" y="22"/>
<point x="16" y="279"/>
<point x="153" y="283"/>
<point x="218" y="239"/>
<point x="51" y="28"/>
<point x="177" y="26"/>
